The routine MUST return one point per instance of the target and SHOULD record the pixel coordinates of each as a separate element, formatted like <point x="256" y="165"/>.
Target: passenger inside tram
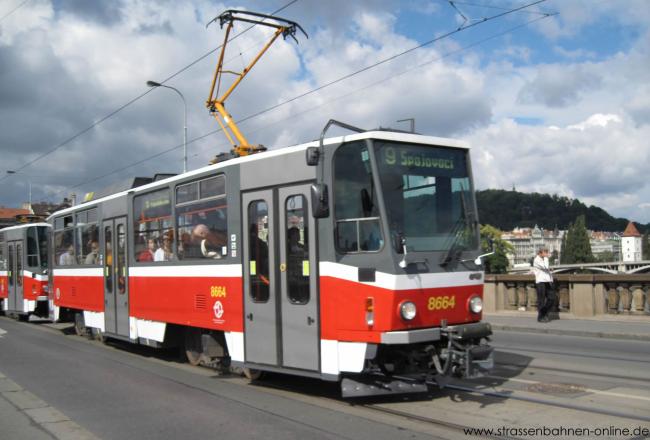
<point x="93" y="255"/>
<point x="209" y="242"/>
<point x="67" y="258"/>
<point x="148" y="253"/>
<point x="164" y="253"/>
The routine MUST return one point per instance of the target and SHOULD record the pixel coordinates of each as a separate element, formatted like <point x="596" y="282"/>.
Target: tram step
<point x="379" y="387"/>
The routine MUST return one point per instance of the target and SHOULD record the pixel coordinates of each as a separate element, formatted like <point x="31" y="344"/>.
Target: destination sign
<point x="420" y="159"/>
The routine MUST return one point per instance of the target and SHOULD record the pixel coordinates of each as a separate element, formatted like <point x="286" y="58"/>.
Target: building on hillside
<point x="527" y="241"/>
<point x="10" y="216"/>
<point x="605" y="246"/>
<point x="631" y="243"/>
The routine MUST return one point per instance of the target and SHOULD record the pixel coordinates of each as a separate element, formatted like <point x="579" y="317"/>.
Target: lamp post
<point x="29" y="182"/>
<point x="157" y="84"/>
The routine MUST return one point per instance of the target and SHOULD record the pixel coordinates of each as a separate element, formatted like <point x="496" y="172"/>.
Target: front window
<point x="355" y="201"/>
<point x="428" y="196"/>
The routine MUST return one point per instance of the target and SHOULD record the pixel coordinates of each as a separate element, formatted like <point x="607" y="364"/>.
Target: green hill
<point x="509" y="209"/>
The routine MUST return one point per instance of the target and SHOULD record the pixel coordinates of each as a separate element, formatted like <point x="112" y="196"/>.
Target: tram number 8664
<point x="441" y="302"/>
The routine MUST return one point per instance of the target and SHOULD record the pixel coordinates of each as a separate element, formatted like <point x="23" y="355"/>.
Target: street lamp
<point x="157" y="84"/>
<point x="30" y="188"/>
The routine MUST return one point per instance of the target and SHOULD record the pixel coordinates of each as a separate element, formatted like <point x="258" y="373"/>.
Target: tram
<point x="351" y="258"/>
<point x="24" y="270"/>
<point x="344" y="259"/>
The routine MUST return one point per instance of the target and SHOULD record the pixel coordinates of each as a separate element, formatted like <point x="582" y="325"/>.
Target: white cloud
<point x="71" y="66"/>
<point x="601" y="160"/>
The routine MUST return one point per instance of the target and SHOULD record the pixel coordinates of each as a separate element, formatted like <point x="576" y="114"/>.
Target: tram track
<point x="514" y="366"/>
<point x="566" y="405"/>
<point x="428" y="420"/>
<point x="324" y="395"/>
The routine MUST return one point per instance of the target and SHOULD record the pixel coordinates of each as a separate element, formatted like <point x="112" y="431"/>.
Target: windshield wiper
<point x="467" y="219"/>
<point x="453" y="252"/>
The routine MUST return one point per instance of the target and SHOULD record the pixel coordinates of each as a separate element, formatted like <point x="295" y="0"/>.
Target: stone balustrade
<point x="582" y="295"/>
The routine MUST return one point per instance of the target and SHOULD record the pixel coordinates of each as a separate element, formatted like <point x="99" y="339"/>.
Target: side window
<point x="87" y="237"/>
<point x="108" y="262"/>
<point x="202" y="219"/>
<point x="355" y="201"/>
<point x="297" y="243"/>
<point x="10" y="264"/>
<point x="3" y="259"/>
<point x="64" y="249"/>
<point x="19" y="265"/>
<point x="258" y="250"/>
<point x="121" y="259"/>
<point x="32" y="247"/>
<point x="153" y="230"/>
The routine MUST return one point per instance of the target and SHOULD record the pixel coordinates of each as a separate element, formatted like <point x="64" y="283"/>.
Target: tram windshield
<point x="428" y="196"/>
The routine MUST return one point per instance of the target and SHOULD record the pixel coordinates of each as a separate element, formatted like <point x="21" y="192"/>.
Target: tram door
<point x="116" y="279"/>
<point x="15" y="273"/>
<point x="281" y="303"/>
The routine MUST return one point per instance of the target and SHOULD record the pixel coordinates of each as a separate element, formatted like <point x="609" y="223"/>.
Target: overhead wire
<point x="13" y="10"/>
<point x="480" y="5"/>
<point x="246" y="119"/>
<point x="127" y="104"/>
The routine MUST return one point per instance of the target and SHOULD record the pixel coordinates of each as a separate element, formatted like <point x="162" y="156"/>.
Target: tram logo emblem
<point x="217" y="309"/>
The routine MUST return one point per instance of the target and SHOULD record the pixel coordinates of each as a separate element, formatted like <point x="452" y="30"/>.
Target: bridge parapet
<point x="582" y="295"/>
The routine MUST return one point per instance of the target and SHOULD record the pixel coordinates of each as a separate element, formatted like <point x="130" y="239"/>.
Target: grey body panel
<point x="115" y="207"/>
<point x="260" y="318"/>
<point x="300" y="322"/>
<point x="272" y="171"/>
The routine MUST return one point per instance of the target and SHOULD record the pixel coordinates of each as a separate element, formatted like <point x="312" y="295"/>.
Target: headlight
<point x="476" y="304"/>
<point x="408" y="310"/>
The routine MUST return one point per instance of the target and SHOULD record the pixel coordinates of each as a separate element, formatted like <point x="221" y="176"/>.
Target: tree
<point x="491" y="241"/>
<point x="577" y="248"/>
<point x="645" y="246"/>
<point x="606" y="256"/>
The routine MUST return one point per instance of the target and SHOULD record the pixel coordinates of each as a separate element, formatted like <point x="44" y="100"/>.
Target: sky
<point x="554" y="98"/>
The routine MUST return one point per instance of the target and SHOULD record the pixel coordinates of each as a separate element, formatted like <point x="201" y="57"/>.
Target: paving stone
<point x="8" y="385"/>
<point x="68" y="430"/>
<point x="46" y="415"/>
<point x="24" y="400"/>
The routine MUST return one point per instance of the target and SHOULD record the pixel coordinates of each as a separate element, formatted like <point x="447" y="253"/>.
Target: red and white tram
<point x="24" y="270"/>
<point x="351" y="258"/>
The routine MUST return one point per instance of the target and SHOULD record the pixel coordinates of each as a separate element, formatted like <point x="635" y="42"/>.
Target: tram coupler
<point x="380" y="386"/>
<point x="469" y="357"/>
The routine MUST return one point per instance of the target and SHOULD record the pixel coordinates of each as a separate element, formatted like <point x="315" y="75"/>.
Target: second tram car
<point x="24" y="270"/>
<point x="352" y="258"/>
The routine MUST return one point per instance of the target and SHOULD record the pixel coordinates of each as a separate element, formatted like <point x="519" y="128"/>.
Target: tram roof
<point x="24" y="225"/>
<point x="373" y="134"/>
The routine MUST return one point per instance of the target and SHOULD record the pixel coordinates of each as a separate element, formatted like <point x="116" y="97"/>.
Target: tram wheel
<point x="253" y="374"/>
<point x="23" y="318"/>
<point x="193" y="349"/>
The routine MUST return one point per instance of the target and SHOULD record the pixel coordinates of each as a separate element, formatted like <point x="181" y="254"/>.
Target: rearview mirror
<point x="312" y="156"/>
